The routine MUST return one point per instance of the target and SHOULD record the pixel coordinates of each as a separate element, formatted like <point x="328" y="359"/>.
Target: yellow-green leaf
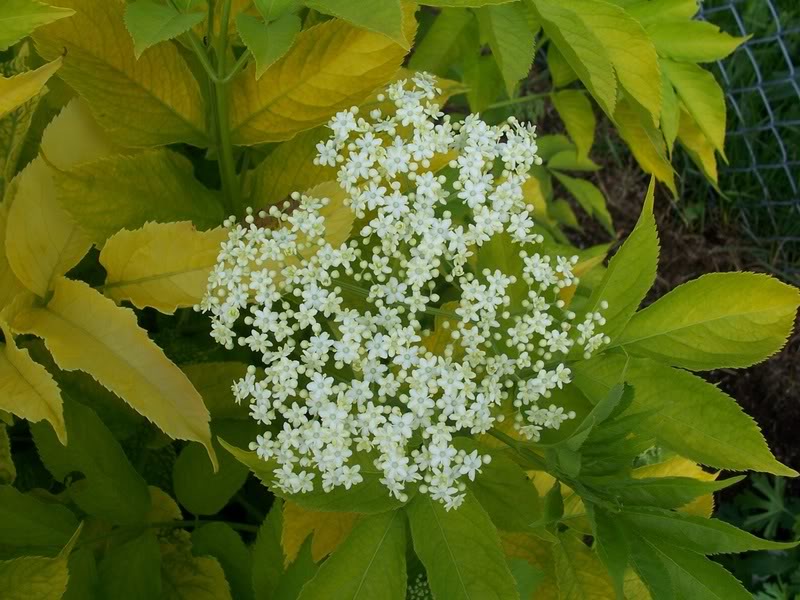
<point x="36" y="577"/>
<point x="560" y="71"/>
<point x="670" y="112"/>
<point x="10" y="286"/>
<point x="149" y="102"/>
<point x="464" y="3"/>
<point x="697" y="146"/>
<point x="692" y="41"/>
<point x="678" y="466"/>
<point x="187" y="577"/>
<point x="158" y="186"/>
<point x="581" y="49"/>
<point x="330" y="67"/>
<point x="289" y="168"/>
<point x="703" y="98"/>
<point x="328" y="531"/>
<point x="537" y="553"/>
<point x="380" y="16"/>
<point x="17" y="90"/>
<point x="719" y="320"/>
<point x="575" y="110"/>
<point x="580" y="574"/>
<point x="629" y="48"/>
<point x="645" y="141"/>
<point x="511" y="40"/>
<point x="18" y="18"/>
<point x="161" y="265"/>
<point x="589" y="197"/>
<point x="27" y="389"/>
<point x="440" y="47"/>
<point x="650" y="11"/>
<point x="85" y="331"/>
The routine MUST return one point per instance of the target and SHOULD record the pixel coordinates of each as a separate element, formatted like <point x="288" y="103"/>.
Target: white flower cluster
<point x="349" y="385"/>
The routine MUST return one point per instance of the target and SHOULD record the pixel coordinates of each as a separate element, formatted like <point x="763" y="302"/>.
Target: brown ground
<point x="770" y="391"/>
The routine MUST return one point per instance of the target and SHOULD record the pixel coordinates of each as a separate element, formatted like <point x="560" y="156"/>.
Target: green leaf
<point x="611" y="544"/>
<point x="213" y="381"/>
<point x="198" y="488"/>
<point x="503" y="489"/>
<point x="369" y="496"/>
<point x="589" y="197"/>
<point x="716" y="321"/>
<point x="631" y="271"/>
<point x="527" y="576"/>
<point x="699" y="422"/>
<point x="82" y="568"/>
<point x="461" y="550"/>
<point x="131" y="570"/>
<point x="125" y="192"/>
<point x="484" y="80"/>
<point x="150" y="23"/>
<point x="692" y="41"/>
<point x="110" y="488"/>
<point x="665" y="492"/>
<point x="440" y="46"/>
<point x="650" y="567"/>
<point x="512" y="42"/>
<point x="268" y="41"/>
<point x="698" y="534"/>
<point x="694" y="576"/>
<point x="581" y="49"/>
<point x="629" y="48"/>
<point x="381" y="16"/>
<point x="370" y="563"/>
<point x="18" y="19"/>
<point x="703" y="98"/>
<point x="223" y="543"/>
<point x="580" y="574"/>
<point x="274" y="9"/>
<point x="576" y="111"/>
<point x="297" y="575"/>
<point x="268" y="554"/>
<point x="25" y="520"/>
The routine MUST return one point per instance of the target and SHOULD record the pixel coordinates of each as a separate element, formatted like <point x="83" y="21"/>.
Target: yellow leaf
<point x="539" y="554"/>
<point x="646" y="143"/>
<point x="697" y="145"/>
<point x="149" y="102"/>
<point x="16" y="91"/>
<point x="27" y="389"/>
<point x="74" y="137"/>
<point x="635" y="589"/>
<point x="10" y="286"/>
<point x="330" y="67"/>
<point x="329" y="530"/>
<point x="580" y="574"/>
<point x="85" y="331"/>
<point x="43" y="241"/>
<point x="682" y="467"/>
<point x="441" y="336"/>
<point x="162" y="507"/>
<point x="161" y="265"/>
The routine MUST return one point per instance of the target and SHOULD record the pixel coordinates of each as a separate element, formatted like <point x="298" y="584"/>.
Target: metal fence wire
<point x="762" y="178"/>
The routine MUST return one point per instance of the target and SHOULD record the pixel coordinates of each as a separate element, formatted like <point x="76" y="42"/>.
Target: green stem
<point x="227" y="165"/>
<point x="520" y="100"/>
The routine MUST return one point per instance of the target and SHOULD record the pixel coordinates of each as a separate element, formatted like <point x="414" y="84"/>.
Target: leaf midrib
<point x="374" y="555"/>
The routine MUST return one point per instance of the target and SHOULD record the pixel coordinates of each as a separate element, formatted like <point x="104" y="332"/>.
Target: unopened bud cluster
<point x="346" y="384"/>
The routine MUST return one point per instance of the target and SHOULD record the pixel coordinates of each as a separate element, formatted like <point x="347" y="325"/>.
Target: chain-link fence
<point x="762" y="84"/>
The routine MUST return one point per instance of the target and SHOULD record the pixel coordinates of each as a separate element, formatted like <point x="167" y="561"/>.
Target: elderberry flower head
<point x="352" y="377"/>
